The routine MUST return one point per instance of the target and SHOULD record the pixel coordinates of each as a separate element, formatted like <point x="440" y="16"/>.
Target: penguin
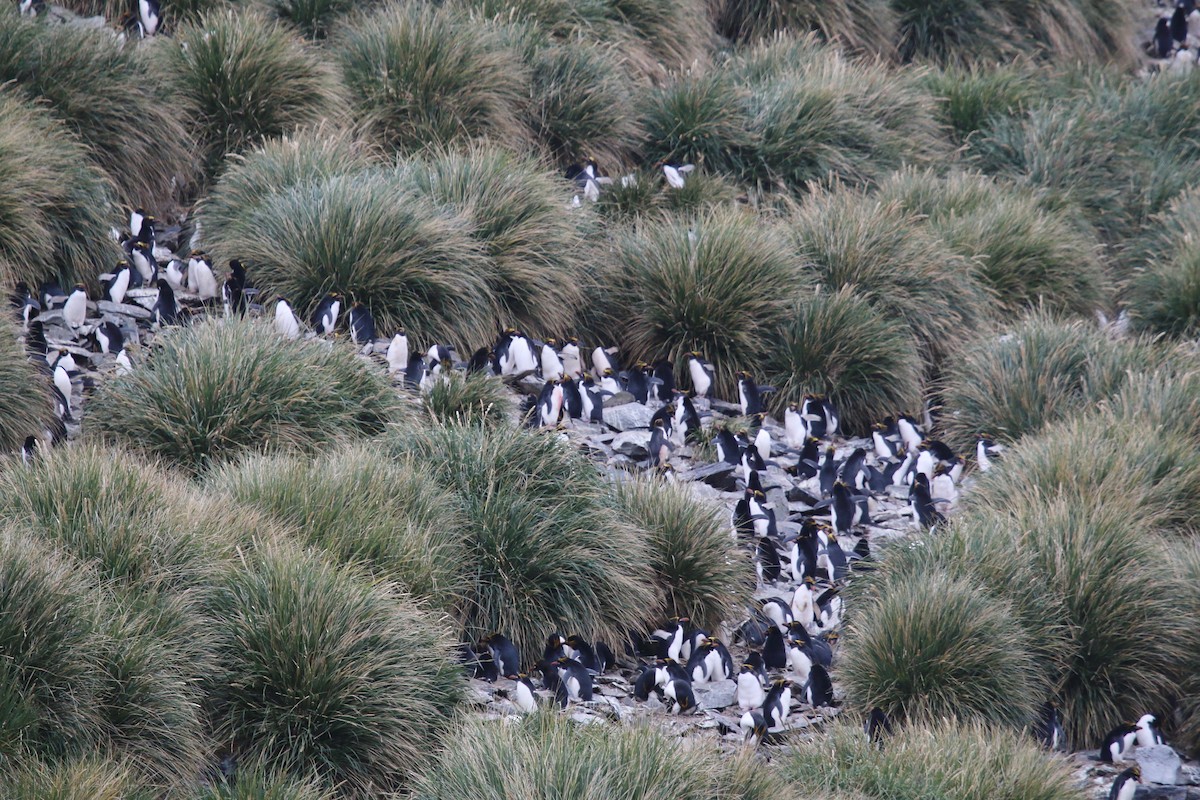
<point x="814" y="416"/>
<point x="574" y="682"/>
<point x="1048" y="729"/>
<point x="593" y="400"/>
<point x="503" y="652"/>
<point x="636" y="384"/>
<point x="200" y="278"/>
<point x="667" y="670"/>
<point x="397" y="353"/>
<point x="362" y="328"/>
<point x="828" y="472"/>
<point x="572" y="398"/>
<point x="1179" y="25"/>
<point x="591" y="657"/>
<point x="680" y="692"/>
<point x="762" y="440"/>
<point x="1118" y="742"/>
<point x="701" y="374"/>
<point x="644" y="683"/>
<point x="523" y="697"/>
<point x="1163" y="42"/>
<point x="710" y="662"/>
<point x="754" y="726"/>
<point x="118" y="283"/>
<point x="569" y="355"/>
<point x="985" y="451"/>
<point x="766" y="562"/>
<point x="233" y="290"/>
<point x="675" y="173"/>
<point x="777" y="705"/>
<point x="149" y="17"/>
<point x="922" y="504"/>
<point x="480" y="362"/>
<point x="62" y="382"/>
<point x="520" y="351"/>
<point x="819" y="691"/>
<point x="1147" y="731"/>
<point x="728" y="448"/>
<point x="109" y="337"/>
<point x="942" y="486"/>
<point x="795" y="428"/>
<point x="608" y="382"/>
<point x="660" y="447"/>
<point x="27" y="306"/>
<point x="602" y="362"/>
<point x="671" y="641"/>
<point x="662" y="385"/>
<point x="31" y="8"/>
<point x="778" y="611"/>
<point x="885" y="448"/>
<point x="74" y="311"/>
<point x="687" y="418"/>
<point x="124" y="365"/>
<point x="324" y="319"/>
<point x="175" y="273"/>
<point x="803" y="603"/>
<point x="775" y="650"/>
<point x="750" y="694"/>
<point x="165" y="310"/>
<point x="829" y="608"/>
<point x="550" y="404"/>
<point x="877" y="726"/>
<point x="800" y="661"/>
<point x="136" y="217"/>
<point x="750" y="395"/>
<point x="142" y="258"/>
<point x="286" y="323"/>
<point x="910" y="434"/>
<point x="1125" y="785"/>
<point x="552" y="366"/>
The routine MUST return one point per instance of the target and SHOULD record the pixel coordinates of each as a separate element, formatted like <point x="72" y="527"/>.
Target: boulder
<point x="1160" y="764"/>
<point x="629" y="416"/>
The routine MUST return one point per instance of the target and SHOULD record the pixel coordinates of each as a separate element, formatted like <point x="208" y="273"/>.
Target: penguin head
<point x="782" y="683"/>
<point x="608" y="373"/>
<point x="747" y="668"/>
<point x="1136" y="771"/>
<point x="794" y="408"/>
<point x="574" y="640"/>
<point x="555" y="641"/>
<point x="79" y="287"/>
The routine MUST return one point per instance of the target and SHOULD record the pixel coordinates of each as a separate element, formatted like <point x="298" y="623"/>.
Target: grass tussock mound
<point x="838" y="344"/>
<point x="701" y="117"/>
<point x="678" y="284"/>
<point x="469" y="400"/>
<point x="704" y="574"/>
<point x="544" y="552"/>
<point x="76" y="779"/>
<point x="545" y="756"/>
<point x="242" y="78"/>
<point x="321" y="672"/>
<point x="420" y="75"/>
<point x="859" y="26"/>
<point x="25" y="397"/>
<point x="1164" y="294"/>
<point x="54" y="205"/>
<point x="938" y="761"/>
<point x="218" y="389"/>
<point x="99" y="90"/>
<point x="361" y="507"/>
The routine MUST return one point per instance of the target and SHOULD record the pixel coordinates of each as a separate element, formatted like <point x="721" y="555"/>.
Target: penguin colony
<point x="802" y="510"/>
<point x="1170" y="47"/>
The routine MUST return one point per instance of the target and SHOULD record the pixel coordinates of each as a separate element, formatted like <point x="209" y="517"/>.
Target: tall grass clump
<point x="257" y="782"/>
<point x="936" y="761"/>
<point x="1185" y="564"/>
<point x="547" y="757"/>
<point x="932" y="646"/>
<point x="514" y="210"/>
<point x="1029" y="255"/>
<point x="54" y="205"/>
<point x="1040" y="370"/>
<point x="242" y="78"/>
<point x="816" y="114"/>
<point x="86" y="778"/>
<point x="315" y="19"/>
<point x="420" y="75"/>
<point x="362" y="508"/>
<point x="678" y="284"/>
<point x="542" y="552"/>
<point x="838" y="344"/>
<point x="322" y="672"/>
<point x="703" y="573"/>
<point x="100" y="92"/>
<point x="370" y="237"/>
<point x="25" y="397"/>
<point x="581" y="103"/>
<point x="47" y="634"/>
<point x="970" y="98"/>
<point x="886" y="256"/>
<point x="699" y="118"/>
<point x="1164" y="293"/>
<point x="279" y="164"/>
<point x="865" y="27"/>
<point x="218" y="389"/>
<point x="474" y="399"/>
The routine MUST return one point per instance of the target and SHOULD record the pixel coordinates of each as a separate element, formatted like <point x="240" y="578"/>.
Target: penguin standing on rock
<point x="1048" y="729"/>
<point x="108" y="337"/>
<point x="750" y="694"/>
<point x="397" y="353"/>
<point x="701" y="373"/>
<point x="1147" y="731"/>
<point x="574" y="682"/>
<point x="233" y="291"/>
<point x="200" y="278"/>
<point x="1120" y="740"/>
<point x="503" y="652"/>
<point x="166" y="309"/>
<point x="1125" y="785"/>
<point x="750" y="395"/>
<point x="118" y="283"/>
<point x="286" y="323"/>
<point x="523" y="696"/>
<point x="777" y="705"/>
<point x="550" y="404"/>
<point x="324" y="319"/>
<point x="74" y="312"/>
<point x="819" y="690"/>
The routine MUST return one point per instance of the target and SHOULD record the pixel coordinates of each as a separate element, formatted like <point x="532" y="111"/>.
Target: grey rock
<point x="618" y="399"/>
<point x="633" y="444"/>
<point x="1159" y="763"/>
<point x="1161" y="793"/>
<point x="718" y="694"/>
<point x="628" y="417"/>
<point x="122" y="309"/>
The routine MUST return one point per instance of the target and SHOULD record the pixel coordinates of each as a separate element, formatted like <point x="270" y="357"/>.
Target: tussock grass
<point x="882" y="252"/>
<point x="1028" y="255"/>
<point x="321" y="672"/>
<point x="699" y="118"/>
<point x="54" y="205"/>
<point x="25" y="397"/>
<point x="91" y="778"/>
<point x="703" y="573"/>
<point x="1164" y="294"/>
<point x="46" y="634"/>
<point x="838" y="344"/>
<point x="262" y="783"/>
<point x="1040" y="370"/>
<point x="100" y="92"/>
<point x="859" y="26"/>
<point x="315" y="19"/>
<point x="1185" y="564"/>
<point x="248" y="180"/>
<point x="818" y="114"/>
<point x="362" y="508"/>
<point x="367" y="236"/>
<point x="242" y="78"/>
<point x="936" y="761"/>
<point x="218" y="389"/>
<point x="581" y="103"/>
<point x="1165" y="398"/>
<point x="970" y="98"/>
<point x="544" y="553"/>
<point x="421" y="75"/>
<point x="641" y="197"/>
<point x="469" y="399"/>
<point x="545" y="757"/>
<point x="514" y="209"/>
<point x="939" y="647"/>
<point x="678" y="284"/>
